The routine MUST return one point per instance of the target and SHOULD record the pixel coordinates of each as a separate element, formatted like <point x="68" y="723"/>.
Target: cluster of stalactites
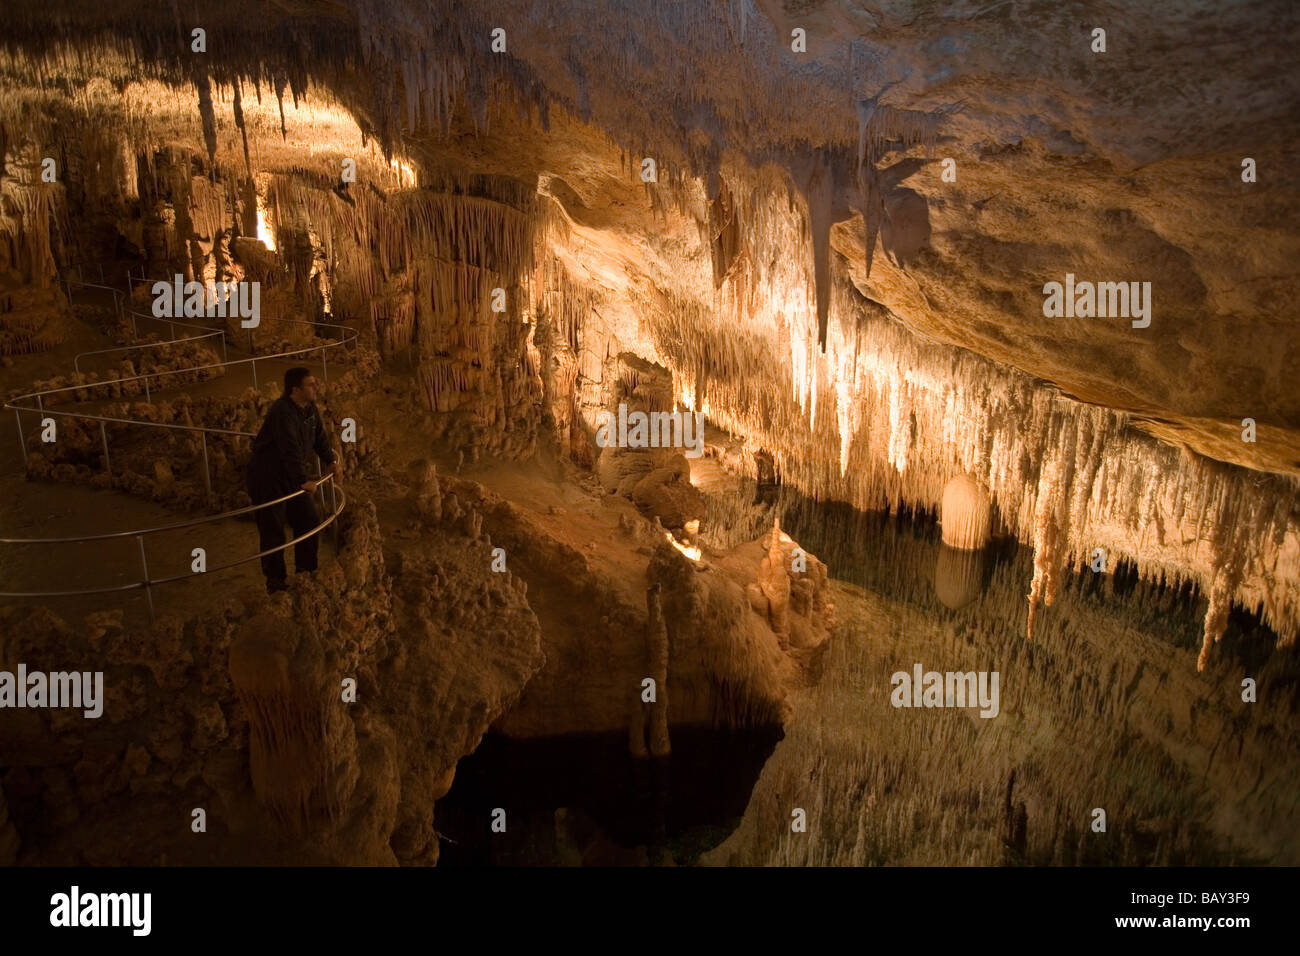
<point x="882" y="419"/>
<point x="429" y="262"/>
<point x="30" y="212"/>
<point x="483" y="224"/>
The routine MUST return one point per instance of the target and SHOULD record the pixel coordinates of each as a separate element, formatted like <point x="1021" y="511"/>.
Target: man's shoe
<point x="276" y="584"/>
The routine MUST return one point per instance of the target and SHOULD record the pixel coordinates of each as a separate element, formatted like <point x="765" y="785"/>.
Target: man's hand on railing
<point x="336" y="469"/>
<point x="309" y="487"/>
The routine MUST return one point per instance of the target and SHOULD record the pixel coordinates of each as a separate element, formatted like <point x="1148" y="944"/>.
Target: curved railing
<point x="338" y="500"/>
<point x="22" y="404"/>
<point x="349" y="336"/>
<point x="76" y="359"/>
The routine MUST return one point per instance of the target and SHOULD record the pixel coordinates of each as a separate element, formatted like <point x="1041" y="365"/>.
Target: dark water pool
<point x="582" y="799"/>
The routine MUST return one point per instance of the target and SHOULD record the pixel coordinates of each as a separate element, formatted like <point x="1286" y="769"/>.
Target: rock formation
<point x="245" y="711"/>
<point x="836" y="254"/>
<point x="964" y="514"/>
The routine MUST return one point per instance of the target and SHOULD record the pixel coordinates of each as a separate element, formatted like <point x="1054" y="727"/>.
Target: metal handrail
<point x="69" y="282"/>
<point x="118" y="295"/>
<point x="136" y="421"/>
<point x="351" y="336"/>
<point x="170" y="321"/>
<point x="348" y="337"/>
<point x="332" y="343"/>
<point x="171" y="371"/>
<point x="166" y="527"/>
<point x="171" y="326"/>
<point x="76" y="359"/>
<point x="269" y="318"/>
<point x="135" y="314"/>
<point x="93" y="285"/>
<point x="340" y="501"/>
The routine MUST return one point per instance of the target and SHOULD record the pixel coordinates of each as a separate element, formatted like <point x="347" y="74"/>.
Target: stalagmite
<point x="774" y="583"/>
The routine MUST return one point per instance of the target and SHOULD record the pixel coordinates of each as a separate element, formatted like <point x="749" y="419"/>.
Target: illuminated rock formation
<point x="964" y="514"/>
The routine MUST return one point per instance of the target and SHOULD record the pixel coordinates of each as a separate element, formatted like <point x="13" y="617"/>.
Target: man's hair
<point x="294" y="378"/>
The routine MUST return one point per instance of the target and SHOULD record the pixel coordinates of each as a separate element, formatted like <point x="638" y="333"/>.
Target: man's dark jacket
<point x="281" y="449"/>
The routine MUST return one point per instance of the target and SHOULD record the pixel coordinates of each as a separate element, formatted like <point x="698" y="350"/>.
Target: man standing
<point x="292" y="430"/>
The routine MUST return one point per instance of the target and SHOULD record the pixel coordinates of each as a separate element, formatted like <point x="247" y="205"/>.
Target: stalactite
<point x="1047" y="541"/>
<point x="243" y="131"/>
<point x="204" y="87"/>
<point x="278" y="83"/>
<point x="817" y="182"/>
<point x="31" y="215"/>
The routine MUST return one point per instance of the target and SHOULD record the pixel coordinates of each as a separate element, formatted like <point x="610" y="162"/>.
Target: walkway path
<point x="33" y="515"/>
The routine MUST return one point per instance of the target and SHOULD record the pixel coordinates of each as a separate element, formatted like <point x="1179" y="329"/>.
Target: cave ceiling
<point x="1123" y="165"/>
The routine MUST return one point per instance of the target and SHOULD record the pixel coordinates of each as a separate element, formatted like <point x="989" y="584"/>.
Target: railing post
<point x="144" y="566"/>
<point x="334" y="507"/>
<point x="324" y="366"/>
<point x="207" y="478"/>
<point x="146" y="390"/>
<point x="103" y="437"/>
<point x="320" y="489"/>
<point x="22" y="442"/>
<point x="224" y="356"/>
<point x="253" y="363"/>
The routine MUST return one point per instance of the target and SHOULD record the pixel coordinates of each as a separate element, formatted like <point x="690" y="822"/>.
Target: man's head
<point x="300" y="385"/>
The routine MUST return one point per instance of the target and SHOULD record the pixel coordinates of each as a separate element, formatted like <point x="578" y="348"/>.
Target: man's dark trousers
<point x="302" y="517"/>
